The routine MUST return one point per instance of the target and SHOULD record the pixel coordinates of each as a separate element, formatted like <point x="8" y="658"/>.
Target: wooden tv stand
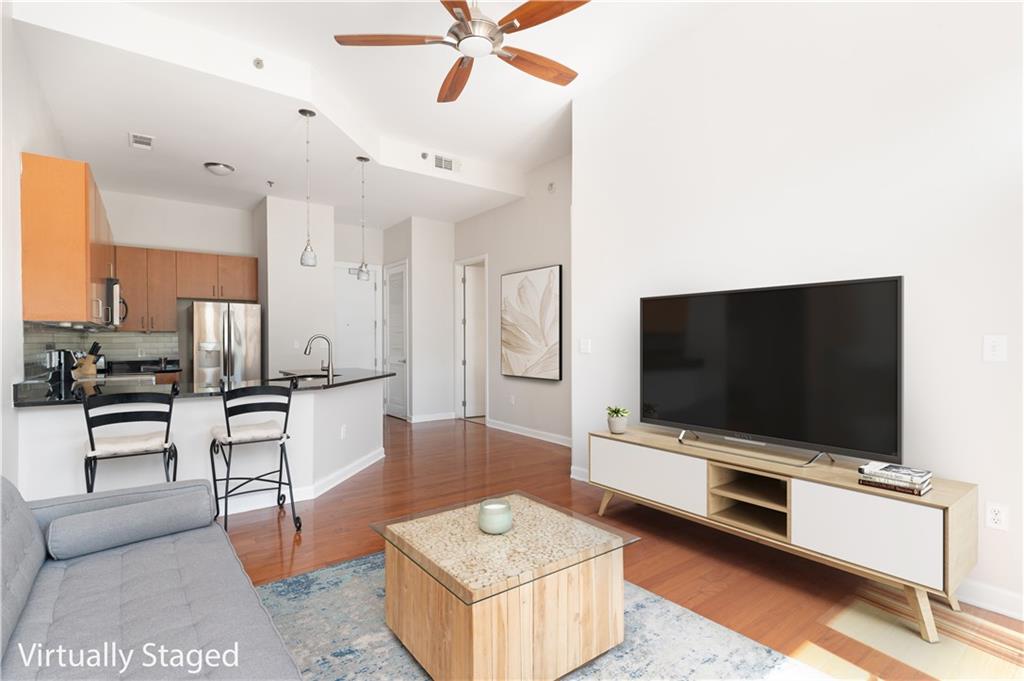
<point x="923" y="544"/>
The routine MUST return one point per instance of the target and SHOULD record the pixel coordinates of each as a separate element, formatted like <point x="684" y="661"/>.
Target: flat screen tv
<point x="814" y="366"/>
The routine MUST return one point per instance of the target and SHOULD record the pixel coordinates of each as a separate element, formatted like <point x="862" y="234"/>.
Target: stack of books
<point x="896" y="478"/>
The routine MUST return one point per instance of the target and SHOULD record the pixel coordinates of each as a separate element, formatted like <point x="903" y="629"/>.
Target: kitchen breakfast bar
<point x="336" y="429"/>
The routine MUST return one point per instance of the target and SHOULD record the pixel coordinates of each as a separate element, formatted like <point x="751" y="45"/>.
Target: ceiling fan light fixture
<point x="476" y="46"/>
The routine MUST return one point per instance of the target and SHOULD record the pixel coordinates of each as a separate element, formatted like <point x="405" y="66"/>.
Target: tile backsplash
<point x="117" y="345"/>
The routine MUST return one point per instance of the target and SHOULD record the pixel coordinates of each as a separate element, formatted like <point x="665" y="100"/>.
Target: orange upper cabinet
<point x="133" y="273"/>
<point x="237" y="278"/>
<point x="217" y="277"/>
<point x="197" y="275"/>
<point x="66" y="251"/>
<point x="162" y="290"/>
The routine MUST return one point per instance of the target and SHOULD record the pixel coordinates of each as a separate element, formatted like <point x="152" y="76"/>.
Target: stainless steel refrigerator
<point x="222" y="342"/>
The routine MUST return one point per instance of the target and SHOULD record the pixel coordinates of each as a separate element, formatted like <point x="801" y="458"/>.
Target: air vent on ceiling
<point x="445" y="163"/>
<point x="140" y="141"/>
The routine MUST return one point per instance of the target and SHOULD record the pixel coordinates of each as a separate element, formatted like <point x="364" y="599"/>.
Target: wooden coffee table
<point x="536" y="602"/>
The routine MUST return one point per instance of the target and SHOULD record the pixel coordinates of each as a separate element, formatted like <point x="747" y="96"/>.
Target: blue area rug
<point x="332" y="619"/>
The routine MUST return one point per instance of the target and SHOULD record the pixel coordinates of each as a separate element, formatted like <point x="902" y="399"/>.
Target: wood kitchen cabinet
<point x="197" y="275"/>
<point x="206" y="276"/>
<point x="148" y="288"/>
<point x="162" y="296"/>
<point x="133" y="273"/>
<point x="237" y="278"/>
<point x="66" y="245"/>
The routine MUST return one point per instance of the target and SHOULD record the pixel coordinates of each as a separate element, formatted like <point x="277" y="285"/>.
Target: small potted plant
<point x="617" y="419"/>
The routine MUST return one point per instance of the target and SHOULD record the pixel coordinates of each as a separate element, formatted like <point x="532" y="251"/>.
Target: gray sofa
<point x="90" y="580"/>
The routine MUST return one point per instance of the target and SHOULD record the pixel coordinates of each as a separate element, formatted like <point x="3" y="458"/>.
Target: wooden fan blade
<point x="461" y="5"/>
<point x="537" y="12"/>
<point x="456" y="79"/>
<point x="382" y="39"/>
<point x="536" y="65"/>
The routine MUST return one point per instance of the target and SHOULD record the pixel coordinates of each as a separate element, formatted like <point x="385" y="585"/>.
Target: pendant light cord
<point x="307" y="180"/>
<point x="362" y="208"/>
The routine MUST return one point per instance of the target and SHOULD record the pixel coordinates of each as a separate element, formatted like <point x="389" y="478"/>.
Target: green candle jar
<point x="495" y="516"/>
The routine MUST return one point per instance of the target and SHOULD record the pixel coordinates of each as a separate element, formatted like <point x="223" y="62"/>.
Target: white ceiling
<point x="98" y="94"/>
<point x="503" y="115"/>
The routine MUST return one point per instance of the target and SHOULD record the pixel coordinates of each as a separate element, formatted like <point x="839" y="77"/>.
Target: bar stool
<point x="141" y="408"/>
<point x="252" y="400"/>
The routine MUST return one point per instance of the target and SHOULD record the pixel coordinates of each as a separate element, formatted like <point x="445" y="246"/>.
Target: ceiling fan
<point x="476" y="35"/>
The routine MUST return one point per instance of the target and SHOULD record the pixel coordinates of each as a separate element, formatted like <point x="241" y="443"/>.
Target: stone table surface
<point x="544" y="538"/>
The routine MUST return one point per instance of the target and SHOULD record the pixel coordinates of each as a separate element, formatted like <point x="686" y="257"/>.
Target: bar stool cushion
<point x="129" y="444"/>
<point x="250" y="432"/>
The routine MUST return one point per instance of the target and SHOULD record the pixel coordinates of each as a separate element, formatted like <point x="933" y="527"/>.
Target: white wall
<point x="530" y="232"/>
<point x="432" y="316"/>
<point x="784" y="143"/>
<point x="299" y="300"/>
<point x="154" y="222"/>
<point x="397" y="242"/>
<point x="428" y="247"/>
<point x="348" y="244"/>
<point x="27" y="126"/>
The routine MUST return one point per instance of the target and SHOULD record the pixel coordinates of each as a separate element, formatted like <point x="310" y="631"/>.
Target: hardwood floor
<point x="770" y="596"/>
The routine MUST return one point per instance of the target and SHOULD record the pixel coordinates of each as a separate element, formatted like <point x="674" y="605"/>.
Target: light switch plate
<point x="995" y="348"/>
<point x="585" y="347"/>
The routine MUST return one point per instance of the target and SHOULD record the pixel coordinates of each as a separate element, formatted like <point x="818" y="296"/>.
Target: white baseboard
<point x="993" y="598"/>
<point x="579" y="473"/>
<point x="563" y="440"/>
<point x="423" y="418"/>
<point x="257" y="500"/>
<point x="342" y="474"/>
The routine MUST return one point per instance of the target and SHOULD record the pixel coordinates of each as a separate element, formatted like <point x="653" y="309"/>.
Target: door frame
<point x="459" y="332"/>
<point x="385" y="299"/>
<point x="341" y="270"/>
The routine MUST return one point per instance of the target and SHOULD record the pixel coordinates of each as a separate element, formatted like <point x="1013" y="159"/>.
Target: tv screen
<point x="814" y="366"/>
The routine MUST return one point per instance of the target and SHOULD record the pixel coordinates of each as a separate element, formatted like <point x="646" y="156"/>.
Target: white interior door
<point x="476" y="340"/>
<point x="396" y="333"/>
<point x="357" y="311"/>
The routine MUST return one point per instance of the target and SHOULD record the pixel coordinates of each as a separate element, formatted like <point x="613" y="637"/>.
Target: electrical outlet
<point x="997" y="516"/>
<point x="512" y="400"/>
<point x="994" y="347"/>
<point x="342" y="432"/>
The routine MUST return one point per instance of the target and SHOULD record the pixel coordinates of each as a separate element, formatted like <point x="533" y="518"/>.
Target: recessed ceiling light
<point x="220" y="169"/>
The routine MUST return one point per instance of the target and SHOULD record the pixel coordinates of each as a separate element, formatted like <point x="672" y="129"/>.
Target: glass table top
<point x="448" y="544"/>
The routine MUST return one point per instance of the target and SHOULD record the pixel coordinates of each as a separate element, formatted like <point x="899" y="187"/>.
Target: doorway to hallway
<point x="471" y="339"/>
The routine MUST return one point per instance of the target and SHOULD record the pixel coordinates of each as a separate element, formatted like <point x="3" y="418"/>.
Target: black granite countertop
<point x="39" y="393"/>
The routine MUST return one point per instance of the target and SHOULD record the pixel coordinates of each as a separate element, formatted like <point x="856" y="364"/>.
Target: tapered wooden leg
<point x="954" y="604"/>
<point x="604" y="502"/>
<point x="922" y="609"/>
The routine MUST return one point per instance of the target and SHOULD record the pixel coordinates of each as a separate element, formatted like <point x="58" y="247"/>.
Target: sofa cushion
<point x="185" y="591"/>
<point x="75" y="535"/>
<point x="21" y="555"/>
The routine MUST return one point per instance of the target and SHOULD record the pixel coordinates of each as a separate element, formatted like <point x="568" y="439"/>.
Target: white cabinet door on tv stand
<point x="674" y="480"/>
<point x="890" y="536"/>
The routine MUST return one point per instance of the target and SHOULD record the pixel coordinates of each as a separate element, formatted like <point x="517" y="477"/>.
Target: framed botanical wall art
<point x="531" y="323"/>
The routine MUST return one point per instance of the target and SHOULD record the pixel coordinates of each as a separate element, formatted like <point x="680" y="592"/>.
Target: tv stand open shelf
<point x="748" y="499"/>
<point x="925" y="545"/>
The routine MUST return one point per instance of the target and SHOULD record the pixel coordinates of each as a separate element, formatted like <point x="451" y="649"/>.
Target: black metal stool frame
<point x="93" y="402"/>
<point x="227" y="449"/>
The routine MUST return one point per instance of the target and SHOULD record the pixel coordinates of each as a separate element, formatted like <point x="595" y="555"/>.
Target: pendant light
<point x="362" y="273"/>
<point x="308" y="257"/>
